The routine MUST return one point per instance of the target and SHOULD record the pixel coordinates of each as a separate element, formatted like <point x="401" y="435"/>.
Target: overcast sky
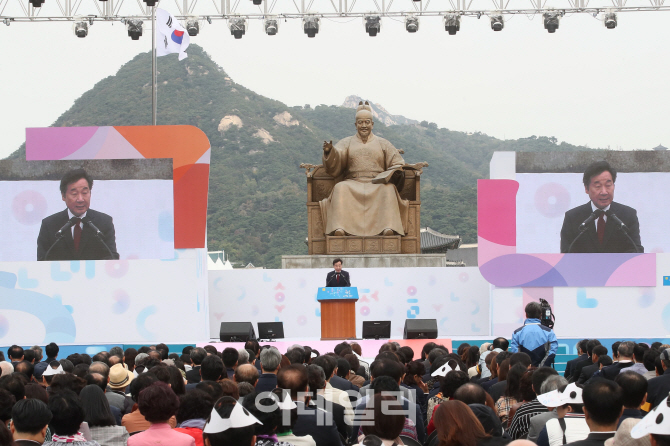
<point x="584" y="84"/>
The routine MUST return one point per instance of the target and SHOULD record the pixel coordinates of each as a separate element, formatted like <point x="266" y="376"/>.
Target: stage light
<point x="238" y="26"/>
<point x="452" y="23"/>
<point x="497" y="22"/>
<point x="412" y="24"/>
<point x="271" y="26"/>
<point x="36" y="3"/>
<point x="6" y="22"/>
<point x="310" y="25"/>
<point x="134" y="27"/>
<point x="150" y="2"/>
<point x="192" y="26"/>
<point x="209" y="20"/>
<point x="551" y="20"/>
<point x="610" y="20"/>
<point x="373" y="25"/>
<point x="257" y="2"/>
<point x="80" y="29"/>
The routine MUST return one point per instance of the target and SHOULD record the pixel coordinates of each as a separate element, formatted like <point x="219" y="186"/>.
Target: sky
<point x="585" y="84"/>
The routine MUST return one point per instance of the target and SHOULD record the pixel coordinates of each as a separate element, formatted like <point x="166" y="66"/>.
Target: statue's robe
<point x="356" y="204"/>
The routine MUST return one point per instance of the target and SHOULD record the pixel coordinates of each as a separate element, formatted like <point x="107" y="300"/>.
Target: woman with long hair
<point x="457" y="425"/>
<point x="99" y="417"/>
<point x="512" y="393"/>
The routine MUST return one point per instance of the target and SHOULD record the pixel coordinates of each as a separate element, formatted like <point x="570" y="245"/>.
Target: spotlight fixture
<point x="192" y="26"/>
<point x="373" y="25"/>
<point x="551" y="20"/>
<point x="412" y="24"/>
<point x="134" y="27"/>
<point x="81" y="29"/>
<point x="610" y="20"/>
<point x="497" y="22"/>
<point x="36" y="3"/>
<point x="271" y="26"/>
<point x="209" y="20"/>
<point x="238" y="26"/>
<point x="310" y="25"/>
<point x="6" y="21"/>
<point x="257" y="2"/>
<point x="452" y="23"/>
<point x="150" y="2"/>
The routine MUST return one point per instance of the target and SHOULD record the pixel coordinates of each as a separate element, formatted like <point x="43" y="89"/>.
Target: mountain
<point x="257" y="192"/>
<point x="379" y="112"/>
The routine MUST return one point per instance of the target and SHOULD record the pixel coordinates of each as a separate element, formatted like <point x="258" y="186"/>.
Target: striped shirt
<point x="521" y="421"/>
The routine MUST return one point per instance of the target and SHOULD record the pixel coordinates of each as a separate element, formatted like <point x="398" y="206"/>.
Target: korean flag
<point x="171" y="37"/>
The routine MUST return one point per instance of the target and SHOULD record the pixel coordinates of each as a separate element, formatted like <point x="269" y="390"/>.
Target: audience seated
<point x="537" y="422"/>
<point x="520" y="423"/>
<point x="383" y="415"/>
<point x="634" y="388"/>
<point x="270" y="360"/>
<point x="194" y="409"/>
<point x="67" y="418"/>
<point x="457" y="425"/>
<point x="102" y="424"/>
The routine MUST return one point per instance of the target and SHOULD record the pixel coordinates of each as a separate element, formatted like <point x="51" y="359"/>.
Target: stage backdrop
<point x="457" y="297"/>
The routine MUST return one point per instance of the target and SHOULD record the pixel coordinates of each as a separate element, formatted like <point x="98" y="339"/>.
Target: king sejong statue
<point x="366" y="202"/>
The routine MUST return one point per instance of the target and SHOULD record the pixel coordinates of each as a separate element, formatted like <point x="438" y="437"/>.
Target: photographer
<point x="535" y="339"/>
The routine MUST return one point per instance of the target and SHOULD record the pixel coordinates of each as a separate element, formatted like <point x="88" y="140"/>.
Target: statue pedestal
<point x="363" y="245"/>
<point x="365" y="261"/>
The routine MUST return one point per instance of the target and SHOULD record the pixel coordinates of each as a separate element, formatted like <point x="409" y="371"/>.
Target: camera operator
<point x="538" y="341"/>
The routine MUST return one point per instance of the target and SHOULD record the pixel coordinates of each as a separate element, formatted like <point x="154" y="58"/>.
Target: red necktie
<point x="337" y="278"/>
<point x="77" y="234"/>
<point x="601" y="228"/>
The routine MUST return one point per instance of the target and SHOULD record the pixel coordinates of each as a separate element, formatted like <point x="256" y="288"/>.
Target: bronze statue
<point x="366" y="202"/>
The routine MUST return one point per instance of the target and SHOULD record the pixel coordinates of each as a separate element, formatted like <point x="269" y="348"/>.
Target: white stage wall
<point x="143" y="213"/>
<point x="107" y="301"/>
<point x="457" y="297"/>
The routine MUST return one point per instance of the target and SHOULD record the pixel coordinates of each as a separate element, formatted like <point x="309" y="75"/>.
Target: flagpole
<point x="154" y="87"/>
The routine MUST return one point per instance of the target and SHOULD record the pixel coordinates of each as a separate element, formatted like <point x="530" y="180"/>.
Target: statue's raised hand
<point x="327" y="147"/>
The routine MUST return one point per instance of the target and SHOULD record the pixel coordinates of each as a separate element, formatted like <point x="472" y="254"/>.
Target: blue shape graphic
<point x="413" y="312"/>
<point x="166" y="226"/>
<point x="89" y="268"/>
<point x="412" y="301"/>
<point x="665" y="317"/>
<point x="24" y="281"/>
<point x="57" y="318"/>
<point x="266" y="278"/>
<point x="94" y="350"/>
<point x="476" y="310"/>
<point x="276" y="318"/>
<point x="364" y="290"/>
<point x="142" y="319"/>
<point x="666" y="280"/>
<point x="317" y="312"/>
<point x="518" y="292"/>
<point x="57" y="275"/>
<point x="389" y="311"/>
<point x="585" y="302"/>
<point x="7" y="280"/>
<point x="454" y="298"/>
<point x="176" y="257"/>
<point x="197" y="305"/>
<point x="443" y="321"/>
<point x="475" y="329"/>
<point x="75" y="266"/>
<point x="646" y="299"/>
<point x="387" y="282"/>
<point x="243" y="295"/>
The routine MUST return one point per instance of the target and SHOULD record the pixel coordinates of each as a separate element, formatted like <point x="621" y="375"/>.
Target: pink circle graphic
<point x="411" y="290"/>
<point x="4" y="326"/>
<point x="463" y="277"/>
<point x="29" y="207"/>
<point x="302" y="320"/>
<point x="552" y="200"/>
<point x="279" y="297"/>
<point x="116" y="268"/>
<point x="365" y="311"/>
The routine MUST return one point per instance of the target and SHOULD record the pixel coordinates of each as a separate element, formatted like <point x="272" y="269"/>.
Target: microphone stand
<point x="624" y="229"/>
<point x="576" y="238"/>
<point x="98" y="235"/>
<point x="58" y="239"/>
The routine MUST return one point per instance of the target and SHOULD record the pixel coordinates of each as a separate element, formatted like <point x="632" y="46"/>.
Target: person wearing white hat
<point x="603" y="406"/>
<point x="229" y="424"/>
<point x="655" y="425"/>
<point x="570" y="426"/>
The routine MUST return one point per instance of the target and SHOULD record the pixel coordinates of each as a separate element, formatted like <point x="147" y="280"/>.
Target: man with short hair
<point x="242" y="357"/>
<point x="634" y="387"/>
<point x="638" y="356"/>
<point x="588" y="371"/>
<point x="270" y="361"/>
<point x="25" y="368"/>
<point x="603" y="405"/>
<point x="581" y="355"/>
<point x="230" y="357"/>
<point x="197" y="355"/>
<point x="246" y="373"/>
<point x="15" y="354"/>
<point x="538" y="341"/>
<point x="625" y="351"/>
<point x="659" y="387"/>
<point x="577" y="369"/>
<point x="338" y="277"/>
<point x="604" y="233"/>
<point x="470" y="394"/>
<point x="51" y="351"/>
<point x="538" y="422"/>
<point x="30" y="421"/>
<point x="38" y="353"/>
<point x="317" y="387"/>
<point x="498" y="345"/>
<point x="520" y="423"/>
<point x="329" y="366"/>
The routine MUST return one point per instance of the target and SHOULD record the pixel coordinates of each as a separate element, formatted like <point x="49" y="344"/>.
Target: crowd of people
<point x="256" y="396"/>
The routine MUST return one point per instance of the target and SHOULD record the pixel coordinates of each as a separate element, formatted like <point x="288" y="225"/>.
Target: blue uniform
<point x="532" y="339"/>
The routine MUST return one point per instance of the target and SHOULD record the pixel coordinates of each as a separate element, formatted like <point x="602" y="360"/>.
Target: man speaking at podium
<point x="71" y="233"/>
<point x="338" y="277"/>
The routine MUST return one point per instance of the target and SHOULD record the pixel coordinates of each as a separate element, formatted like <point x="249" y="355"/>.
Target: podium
<point x="338" y="312"/>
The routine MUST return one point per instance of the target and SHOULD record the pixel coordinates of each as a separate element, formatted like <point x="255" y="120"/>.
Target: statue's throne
<point x="319" y="186"/>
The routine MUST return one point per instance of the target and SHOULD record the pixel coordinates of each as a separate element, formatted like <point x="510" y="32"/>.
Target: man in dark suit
<point x="338" y="277"/>
<point x="577" y="369"/>
<point x="659" y="387"/>
<point x="588" y="371"/>
<point x="30" y="420"/>
<point x="79" y="240"/>
<point x="603" y="405"/>
<point x="198" y="354"/>
<point x="625" y="361"/>
<point x="581" y="355"/>
<point x="603" y="234"/>
<point x="270" y="361"/>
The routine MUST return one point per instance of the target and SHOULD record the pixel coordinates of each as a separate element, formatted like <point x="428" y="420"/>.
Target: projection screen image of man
<point x="601" y="225"/>
<point x="78" y="232"/>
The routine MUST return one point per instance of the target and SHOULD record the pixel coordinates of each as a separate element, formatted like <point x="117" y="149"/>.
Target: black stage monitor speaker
<point x="236" y="332"/>
<point x="376" y="329"/>
<point x="270" y="330"/>
<point x="420" y="329"/>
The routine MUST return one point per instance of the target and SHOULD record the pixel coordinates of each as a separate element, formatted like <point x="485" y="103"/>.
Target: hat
<point x="51" y="371"/>
<point x="623" y="437"/>
<point x="484" y="347"/>
<point x="239" y="417"/>
<point x="665" y="354"/>
<point x="119" y="377"/>
<point x="655" y="422"/>
<point x="442" y="371"/>
<point x="571" y="395"/>
<point x="364" y="111"/>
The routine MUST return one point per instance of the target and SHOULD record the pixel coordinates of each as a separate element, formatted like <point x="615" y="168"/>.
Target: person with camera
<point x="535" y="339"/>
